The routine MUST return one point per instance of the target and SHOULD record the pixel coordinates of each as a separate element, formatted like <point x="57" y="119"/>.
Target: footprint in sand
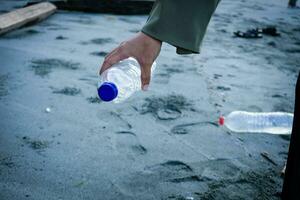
<point x="99" y="53"/>
<point x="170" y="176"/>
<point x="38" y="145"/>
<point x="120" y="123"/>
<point x="97" y="41"/>
<point x="226" y="178"/>
<point x="3" y="85"/>
<point x="43" y="67"/>
<point x="166" y="107"/>
<point x="61" y="37"/>
<point x="69" y="91"/>
<point x="173" y="171"/>
<point x="183" y="129"/>
<point x="126" y="142"/>
<point x="210" y="179"/>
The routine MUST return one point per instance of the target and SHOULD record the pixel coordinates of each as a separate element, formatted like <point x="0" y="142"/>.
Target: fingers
<point x="145" y="76"/>
<point x="109" y="54"/>
<point x="120" y="47"/>
<point x="114" y="57"/>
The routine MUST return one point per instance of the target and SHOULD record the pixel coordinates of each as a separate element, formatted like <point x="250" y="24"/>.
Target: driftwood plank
<point x="24" y="16"/>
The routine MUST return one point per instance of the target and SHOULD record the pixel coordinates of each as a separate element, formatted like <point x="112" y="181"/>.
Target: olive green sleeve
<point x="181" y="23"/>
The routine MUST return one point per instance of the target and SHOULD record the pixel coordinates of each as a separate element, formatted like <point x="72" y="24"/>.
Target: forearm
<point x="180" y="23"/>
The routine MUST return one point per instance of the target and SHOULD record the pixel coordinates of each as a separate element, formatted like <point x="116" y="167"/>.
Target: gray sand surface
<point x="58" y="141"/>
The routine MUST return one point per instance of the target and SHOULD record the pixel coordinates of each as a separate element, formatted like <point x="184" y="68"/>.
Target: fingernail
<point x="145" y="87"/>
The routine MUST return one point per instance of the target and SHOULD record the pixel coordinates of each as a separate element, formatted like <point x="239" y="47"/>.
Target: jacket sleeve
<point x="181" y="23"/>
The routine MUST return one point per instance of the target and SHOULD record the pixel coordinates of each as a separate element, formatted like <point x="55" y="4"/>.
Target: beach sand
<point x="58" y="141"/>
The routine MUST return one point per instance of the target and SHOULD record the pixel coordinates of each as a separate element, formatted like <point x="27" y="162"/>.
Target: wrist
<point x="149" y="39"/>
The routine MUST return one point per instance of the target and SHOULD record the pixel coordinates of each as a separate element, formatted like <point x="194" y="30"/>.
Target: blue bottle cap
<point x="108" y="91"/>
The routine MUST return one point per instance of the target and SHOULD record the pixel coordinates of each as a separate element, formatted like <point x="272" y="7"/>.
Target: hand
<point x="143" y="48"/>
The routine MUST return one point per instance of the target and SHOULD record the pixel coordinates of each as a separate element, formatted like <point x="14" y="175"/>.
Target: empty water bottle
<point x="121" y="80"/>
<point x="271" y="122"/>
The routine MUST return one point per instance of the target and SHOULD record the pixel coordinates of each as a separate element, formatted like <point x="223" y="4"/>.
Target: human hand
<point x="143" y="48"/>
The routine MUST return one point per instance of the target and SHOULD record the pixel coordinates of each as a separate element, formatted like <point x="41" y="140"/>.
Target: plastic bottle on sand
<point x="121" y="80"/>
<point x="270" y="122"/>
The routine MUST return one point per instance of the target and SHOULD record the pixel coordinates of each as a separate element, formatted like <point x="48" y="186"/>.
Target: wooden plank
<point x="25" y="16"/>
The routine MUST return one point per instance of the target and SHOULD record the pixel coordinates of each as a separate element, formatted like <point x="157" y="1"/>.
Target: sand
<point x="58" y="141"/>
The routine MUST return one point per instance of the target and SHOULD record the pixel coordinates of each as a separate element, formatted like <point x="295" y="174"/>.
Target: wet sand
<point x="58" y="141"/>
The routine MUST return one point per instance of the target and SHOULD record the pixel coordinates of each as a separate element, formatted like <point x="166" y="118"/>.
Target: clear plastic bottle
<point x="121" y="80"/>
<point x="270" y="122"/>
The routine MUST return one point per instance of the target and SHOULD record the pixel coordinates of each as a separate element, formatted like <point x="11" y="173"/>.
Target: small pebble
<point x="189" y="198"/>
<point x="48" y="110"/>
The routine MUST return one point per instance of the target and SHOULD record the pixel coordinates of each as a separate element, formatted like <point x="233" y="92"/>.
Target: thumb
<point x="145" y="76"/>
